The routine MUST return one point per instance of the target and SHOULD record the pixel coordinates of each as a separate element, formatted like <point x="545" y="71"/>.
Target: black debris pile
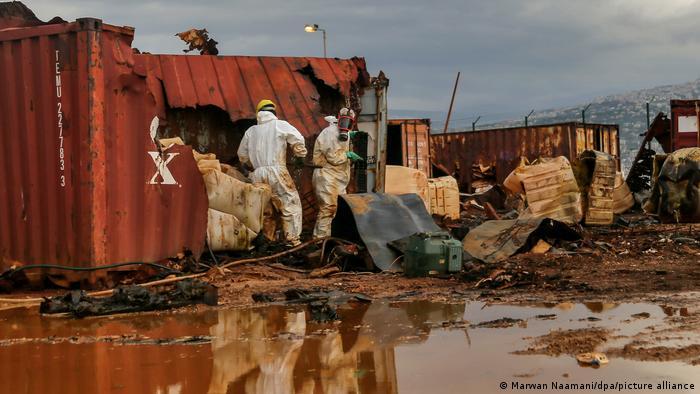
<point x="128" y="299"/>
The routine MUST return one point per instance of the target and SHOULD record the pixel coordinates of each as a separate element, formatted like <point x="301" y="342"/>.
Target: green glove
<point x="354" y="156"/>
<point x="352" y="134"/>
<point x="298" y="162"/>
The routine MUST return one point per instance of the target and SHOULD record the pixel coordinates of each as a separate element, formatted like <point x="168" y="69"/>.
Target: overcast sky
<point x="514" y="55"/>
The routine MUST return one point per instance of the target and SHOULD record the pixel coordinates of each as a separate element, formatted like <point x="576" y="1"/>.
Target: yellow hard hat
<point x="265" y="103"/>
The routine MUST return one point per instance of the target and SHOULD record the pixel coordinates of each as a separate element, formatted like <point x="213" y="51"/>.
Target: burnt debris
<point x="198" y="40"/>
<point x="127" y="299"/>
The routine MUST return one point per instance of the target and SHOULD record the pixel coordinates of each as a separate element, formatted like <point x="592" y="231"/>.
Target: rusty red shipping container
<point x="501" y="149"/>
<point x="408" y="144"/>
<point x="84" y="184"/>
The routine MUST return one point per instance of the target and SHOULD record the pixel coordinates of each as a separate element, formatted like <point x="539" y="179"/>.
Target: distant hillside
<point x="627" y="109"/>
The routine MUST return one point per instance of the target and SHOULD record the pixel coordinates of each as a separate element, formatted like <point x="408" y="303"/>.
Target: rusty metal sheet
<point x="497" y="240"/>
<point x="79" y="170"/>
<point x="376" y="219"/>
<point x="502" y="149"/>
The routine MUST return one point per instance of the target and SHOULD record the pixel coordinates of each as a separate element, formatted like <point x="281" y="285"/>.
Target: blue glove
<point x="354" y="156"/>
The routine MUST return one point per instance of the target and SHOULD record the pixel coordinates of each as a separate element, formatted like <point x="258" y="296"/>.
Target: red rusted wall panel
<point x="76" y="162"/>
<point x="503" y="148"/>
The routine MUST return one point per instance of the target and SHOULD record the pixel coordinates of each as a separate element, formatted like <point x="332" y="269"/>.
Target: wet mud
<point x="379" y="347"/>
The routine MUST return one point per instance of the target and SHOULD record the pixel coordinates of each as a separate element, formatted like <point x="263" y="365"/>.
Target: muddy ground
<point x="614" y="264"/>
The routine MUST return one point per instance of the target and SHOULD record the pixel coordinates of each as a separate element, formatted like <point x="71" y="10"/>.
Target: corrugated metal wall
<point x="77" y="173"/>
<point x="503" y="148"/>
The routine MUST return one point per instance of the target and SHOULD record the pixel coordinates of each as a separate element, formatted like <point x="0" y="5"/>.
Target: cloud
<point x="514" y="55"/>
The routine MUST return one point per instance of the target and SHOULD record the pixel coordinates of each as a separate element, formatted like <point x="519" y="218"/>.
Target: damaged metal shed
<point x="209" y="101"/>
<point x="486" y="157"/>
<point x="84" y="183"/>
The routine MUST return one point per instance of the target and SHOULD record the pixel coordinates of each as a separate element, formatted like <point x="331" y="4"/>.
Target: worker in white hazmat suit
<point x="264" y="146"/>
<point x="332" y="156"/>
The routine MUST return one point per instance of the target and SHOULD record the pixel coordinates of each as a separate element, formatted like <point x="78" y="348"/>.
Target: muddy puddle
<point x="382" y="347"/>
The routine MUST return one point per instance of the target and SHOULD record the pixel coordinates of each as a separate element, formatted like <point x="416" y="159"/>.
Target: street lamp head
<point x="311" y="28"/>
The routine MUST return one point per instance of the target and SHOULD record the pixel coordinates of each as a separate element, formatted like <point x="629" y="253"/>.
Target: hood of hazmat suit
<point x="264" y="146"/>
<point x="333" y="176"/>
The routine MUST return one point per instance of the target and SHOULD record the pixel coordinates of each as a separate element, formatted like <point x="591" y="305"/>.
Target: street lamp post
<point x="313" y="28"/>
<point x="528" y="116"/>
<point x="583" y="115"/>
<point x="474" y="123"/>
<point x="648" y="120"/>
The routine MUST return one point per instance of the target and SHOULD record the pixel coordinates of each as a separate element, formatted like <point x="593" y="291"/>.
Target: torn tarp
<point x="496" y="240"/>
<point x="376" y="219"/>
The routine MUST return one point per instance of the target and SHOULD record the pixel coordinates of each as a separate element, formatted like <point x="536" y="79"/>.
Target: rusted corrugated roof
<point x="236" y="83"/>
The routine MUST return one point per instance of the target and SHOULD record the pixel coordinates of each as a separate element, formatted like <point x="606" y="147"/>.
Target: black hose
<point x="212" y="254"/>
<point x="13" y="271"/>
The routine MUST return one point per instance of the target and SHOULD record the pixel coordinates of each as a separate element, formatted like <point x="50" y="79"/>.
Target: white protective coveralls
<point x="264" y="146"/>
<point x="332" y="178"/>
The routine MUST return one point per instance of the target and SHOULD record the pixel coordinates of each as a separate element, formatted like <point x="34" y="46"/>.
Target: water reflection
<point x="273" y="349"/>
<point x="381" y="347"/>
<point x="356" y="355"/>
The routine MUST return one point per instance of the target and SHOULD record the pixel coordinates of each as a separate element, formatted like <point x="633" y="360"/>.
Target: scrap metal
<point x="198" y="40"/>
<point x="496" y="240"/>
